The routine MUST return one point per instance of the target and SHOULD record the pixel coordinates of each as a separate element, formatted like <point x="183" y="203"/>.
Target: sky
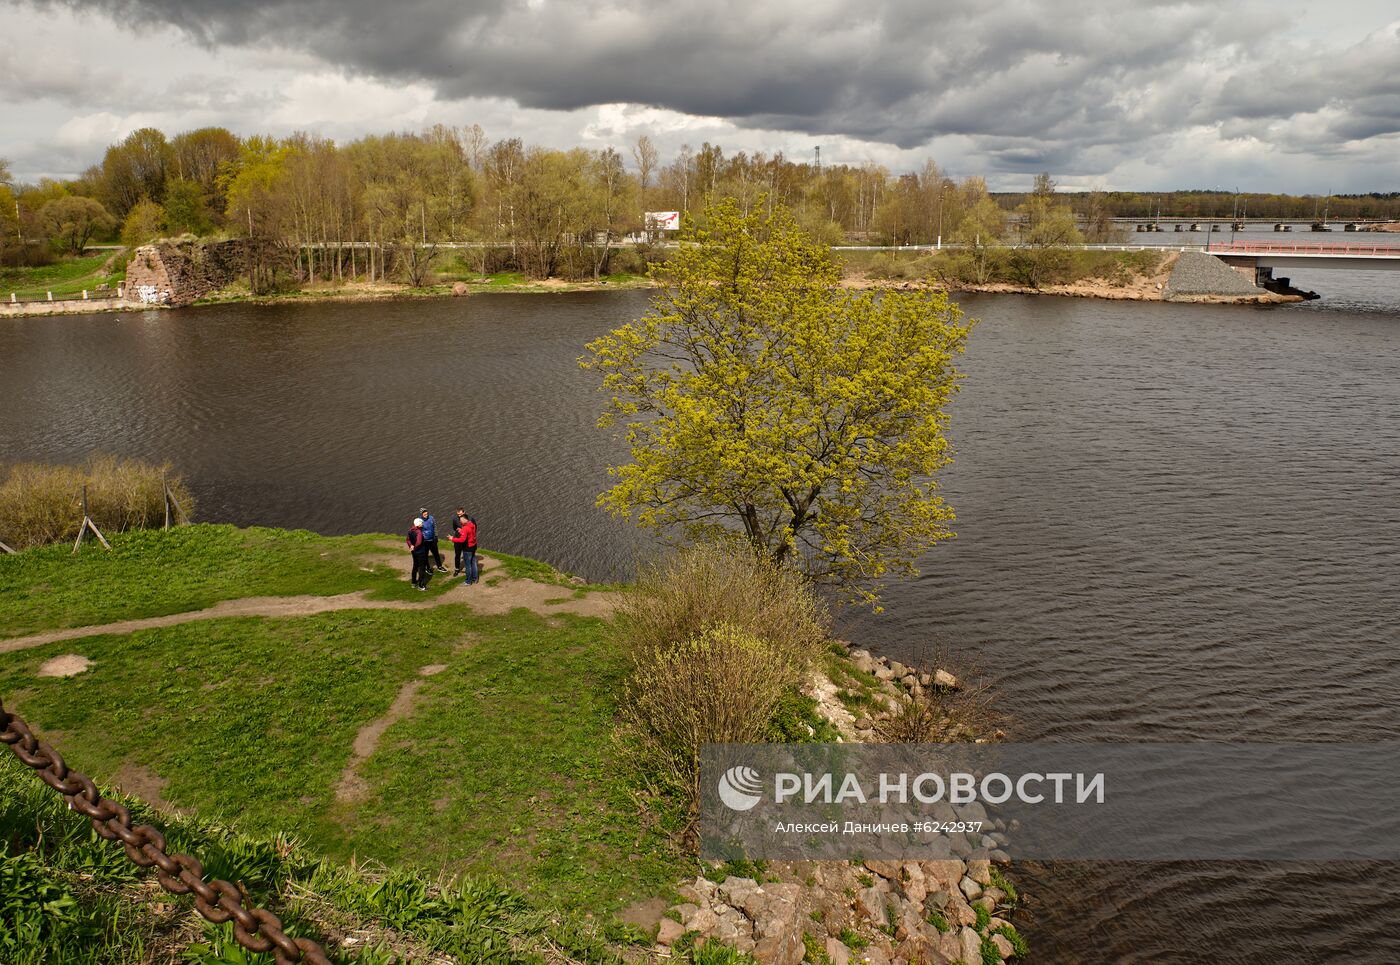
<point x="1256" y="95"/>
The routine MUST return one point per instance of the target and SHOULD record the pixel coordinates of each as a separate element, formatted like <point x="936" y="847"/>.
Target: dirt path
<point x="508" y="594"/>
<point x="351" y="787"/>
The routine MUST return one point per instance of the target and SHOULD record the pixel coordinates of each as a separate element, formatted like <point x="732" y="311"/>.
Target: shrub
<point x="680" y="596"/>
<point x="720" y="686"/>
<point x="42" y="504"/>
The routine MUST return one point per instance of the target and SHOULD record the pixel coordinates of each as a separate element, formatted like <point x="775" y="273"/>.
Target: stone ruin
<point x="181" y="272"/>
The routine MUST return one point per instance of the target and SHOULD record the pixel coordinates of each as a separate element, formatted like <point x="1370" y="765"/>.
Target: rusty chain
<point x="256" y="929"/>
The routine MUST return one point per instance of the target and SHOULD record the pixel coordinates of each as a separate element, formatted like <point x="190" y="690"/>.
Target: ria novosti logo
<point x="740" y="788"/>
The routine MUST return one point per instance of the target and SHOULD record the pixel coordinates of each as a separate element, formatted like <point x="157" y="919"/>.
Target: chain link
<point x="256" y="929"/>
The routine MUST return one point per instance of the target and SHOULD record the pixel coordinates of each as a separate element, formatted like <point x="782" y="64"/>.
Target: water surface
<point x="1176" y="522"/>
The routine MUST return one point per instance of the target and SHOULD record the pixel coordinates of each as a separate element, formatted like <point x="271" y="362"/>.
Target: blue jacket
<point x="429" y="528"/>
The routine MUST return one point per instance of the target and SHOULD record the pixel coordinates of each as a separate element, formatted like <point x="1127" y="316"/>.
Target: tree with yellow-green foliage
<point x="758" y="397"/>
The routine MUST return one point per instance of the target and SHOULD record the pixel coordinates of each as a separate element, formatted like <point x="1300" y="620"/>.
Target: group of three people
<point x="423" y="544"/>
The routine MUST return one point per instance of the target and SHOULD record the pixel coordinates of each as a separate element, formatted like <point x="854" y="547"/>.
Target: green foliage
<point x="999" y="881"/>
<point x="853" y="939"/>
<point x="758" y="395"/>
<point x="937" y="920"/>
<point x="143" y="223"/>
<point x="72" y="221"/>
<point x="796" y="720"/>
<point x="1019" y="947"/>
<point x="988" y="950"/>
<point x="983" y="917"/>
<point x="737" y="868"/>
<point x="814" y="950"/>
<point x="184" y="209"/>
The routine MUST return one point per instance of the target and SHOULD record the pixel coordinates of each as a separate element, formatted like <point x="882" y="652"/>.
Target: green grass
<point x="153" y="573"/>
<point x="66" y="277"/>
<point x="506" y="763"/>
<point x="67" y="897"/>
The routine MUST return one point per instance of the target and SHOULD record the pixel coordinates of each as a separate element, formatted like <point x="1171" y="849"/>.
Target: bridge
<point x="1270" y="255"/>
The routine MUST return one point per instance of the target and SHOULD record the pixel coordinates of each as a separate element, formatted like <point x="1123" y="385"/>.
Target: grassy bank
<point x="65" y="278"/>
<point x="494" y="753"/>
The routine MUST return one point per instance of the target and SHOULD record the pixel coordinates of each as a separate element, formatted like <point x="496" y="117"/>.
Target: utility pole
<point x="819" y="159"/>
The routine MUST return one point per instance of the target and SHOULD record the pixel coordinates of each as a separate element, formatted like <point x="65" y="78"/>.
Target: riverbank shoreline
<point x="301" y="602"/>
<point x="1142" y="290"/>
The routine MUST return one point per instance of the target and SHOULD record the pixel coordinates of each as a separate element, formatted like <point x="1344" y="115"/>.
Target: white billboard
<point x="663" y="220"/>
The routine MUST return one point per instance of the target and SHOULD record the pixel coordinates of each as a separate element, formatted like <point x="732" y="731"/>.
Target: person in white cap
<point x="418" y="546"/>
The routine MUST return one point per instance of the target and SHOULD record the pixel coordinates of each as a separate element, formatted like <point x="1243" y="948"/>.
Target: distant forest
<point x="552" y="209"/>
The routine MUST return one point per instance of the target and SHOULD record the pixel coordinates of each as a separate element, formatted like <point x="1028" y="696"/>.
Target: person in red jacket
<point x="459" y="548"/>
<point x="465" y="541"/>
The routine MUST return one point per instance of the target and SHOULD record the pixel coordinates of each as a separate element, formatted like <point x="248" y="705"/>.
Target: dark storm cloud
<point x="1027" y="79"/>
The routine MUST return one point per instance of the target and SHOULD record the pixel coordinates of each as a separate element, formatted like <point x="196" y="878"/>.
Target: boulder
<point x="980" y="872"/>
<point x="784" y="948"/>
<point x="700" y="891"/>
<point x="459" y="288"/>
<point x="669" y="931"/>
<point x="837" y="953"/>
<point x="969" y="888"/>
<point x="870" y="904"/>
<point x="943" y="874"/>
<point x="945" y="680"/>
<point x="971" y="944"/>
<point x="889" y="870"/>
<point x="1004" y="947"/>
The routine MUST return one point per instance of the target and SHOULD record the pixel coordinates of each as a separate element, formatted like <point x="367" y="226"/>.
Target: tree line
<point x="380" y="206"/>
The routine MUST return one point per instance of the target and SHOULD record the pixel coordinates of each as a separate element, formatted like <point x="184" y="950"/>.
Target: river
<point x="1176" y="522"/>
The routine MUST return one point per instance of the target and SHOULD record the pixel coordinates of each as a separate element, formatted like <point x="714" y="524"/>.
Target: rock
<point x="784" y="948"/>
<point x="970" y="944"/>
<point x="898" y="669"/>
<point x="915" y="886"/>
<point x="947" y="947"/>
<point x="686" y="910"/>
<point x="943" y="874"/>
<point x="873" y="955"/>
<point x="838" y="953"/>
<point x="889" y="870"/>
<point x="700" y="891"/>
<point x="945" y="680"/>
<point x="970" y="888"/>
<point x="870" y="903"/>
<point x="980" y="872"/>
<point x="913" y="949"/>
<point x="883" y="673"/>
<point x="459" y="288"/>
<point x="926" y="679"/>
<point x="669" y="931"/>
<point x="1004" y="946"/>
<point x="909" y="681"/>
<point x="734" y="891"/>
<point x="958" y="911"/>
<point x="983" y="901"/>
<point x="703" y="921"/>
<point x="784" y="891"/>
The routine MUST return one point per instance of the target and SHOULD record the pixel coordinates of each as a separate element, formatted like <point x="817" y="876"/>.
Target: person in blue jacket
<point x="430" y="538"/>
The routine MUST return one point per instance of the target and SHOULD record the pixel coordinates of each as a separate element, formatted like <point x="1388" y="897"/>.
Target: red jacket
<point x="415" y="538"/>
<point x="466" y="535"/>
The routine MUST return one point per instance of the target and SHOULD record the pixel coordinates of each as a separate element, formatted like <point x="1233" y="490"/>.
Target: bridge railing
<point x="1274" y="248"/>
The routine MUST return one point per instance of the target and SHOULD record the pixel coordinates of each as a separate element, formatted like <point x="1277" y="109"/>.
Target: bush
<point x="720" y="686"/>
<point x="42" y="504"/>
<point x="680" y="596"/>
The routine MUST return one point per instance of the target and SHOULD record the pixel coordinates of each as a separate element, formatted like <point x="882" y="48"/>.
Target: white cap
<point x="418" y="521"/>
